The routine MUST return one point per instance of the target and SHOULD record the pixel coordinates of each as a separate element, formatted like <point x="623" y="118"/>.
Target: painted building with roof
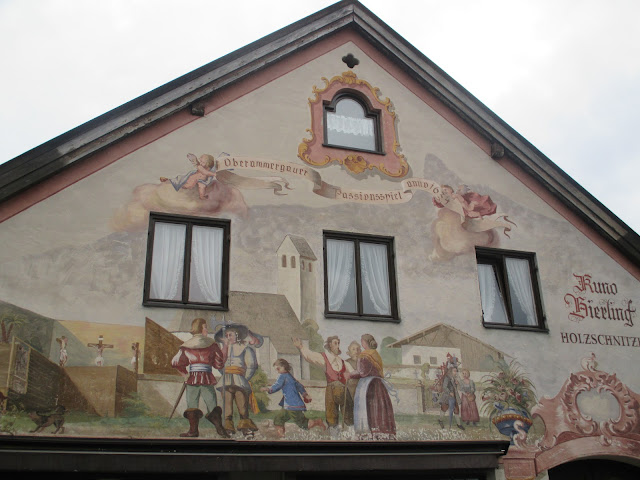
<point x="433" y="343"/>
<point x="297" y="272"/>
<point x="363" y="196"/>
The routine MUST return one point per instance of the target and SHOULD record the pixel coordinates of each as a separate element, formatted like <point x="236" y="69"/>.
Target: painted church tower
<point x="297" y="276"/>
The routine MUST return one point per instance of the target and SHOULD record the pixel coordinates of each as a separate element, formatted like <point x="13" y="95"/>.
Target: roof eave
<point x="77" y="144"/>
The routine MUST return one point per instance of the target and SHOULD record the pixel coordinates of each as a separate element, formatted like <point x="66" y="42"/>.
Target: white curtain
<point x="520" y="284"/>
<point x="206" y="264"/>
<point x="167" y="261"/>
<point x="493" y="307"/>
<point x="350" y="125"/>
<point x="340" y="273"/>
<point x="375" y="278"/>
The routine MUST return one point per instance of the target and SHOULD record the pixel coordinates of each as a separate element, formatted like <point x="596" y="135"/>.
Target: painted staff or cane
<point x="224" y="377"/>
<point x="184" y="386"/>
<point x="344" y="401"/>
<point x="224" y="382"/>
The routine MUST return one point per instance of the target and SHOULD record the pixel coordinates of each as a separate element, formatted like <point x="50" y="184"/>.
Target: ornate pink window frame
<point x="312" y="150"/>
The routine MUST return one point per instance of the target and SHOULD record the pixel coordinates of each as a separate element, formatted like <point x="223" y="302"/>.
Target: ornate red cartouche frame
<point x="571" y="434"/>
<point x="313" y="152"/>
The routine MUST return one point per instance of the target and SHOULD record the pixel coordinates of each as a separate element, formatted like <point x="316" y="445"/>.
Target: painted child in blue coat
<point x="294" y="399"/>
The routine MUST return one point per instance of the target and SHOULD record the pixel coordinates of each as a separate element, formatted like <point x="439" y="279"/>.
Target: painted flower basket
<point x="508" y="397"/>
<point x="506" y="422"/>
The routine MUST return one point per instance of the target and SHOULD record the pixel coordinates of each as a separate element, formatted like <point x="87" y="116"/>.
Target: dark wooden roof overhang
<point x="195" y="456"/>
<point x="187" y="91"/>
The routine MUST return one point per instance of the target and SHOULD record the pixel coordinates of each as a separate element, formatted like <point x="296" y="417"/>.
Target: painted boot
<point x="247" y="427"/>
<point x="215" y="417"/>
<point x="193" y="415"/>
<point x="228" y="426"/>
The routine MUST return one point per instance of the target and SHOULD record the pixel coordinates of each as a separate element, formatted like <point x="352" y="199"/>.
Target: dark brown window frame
<point x="497" y="259"/>
<point x="369" y="112"/>
<point x="189" y="222"/>
<point x="358" y="238"/>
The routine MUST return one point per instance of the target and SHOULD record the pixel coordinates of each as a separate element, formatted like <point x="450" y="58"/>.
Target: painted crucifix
<point x="100" y="346"/>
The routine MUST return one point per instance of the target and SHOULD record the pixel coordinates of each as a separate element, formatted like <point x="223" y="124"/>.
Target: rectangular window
<point x="359" y="277"/>
<point x="187" y="262"/>
<point x="509" y="290"/>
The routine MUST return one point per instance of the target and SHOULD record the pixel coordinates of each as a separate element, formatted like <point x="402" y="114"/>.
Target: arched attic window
<point x="353" y="126"/>
<point x="349" y="122"/>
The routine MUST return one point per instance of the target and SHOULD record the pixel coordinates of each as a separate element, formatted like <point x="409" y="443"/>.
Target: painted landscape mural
<point x="368" y="391"/>
<point x="95" y="344"/>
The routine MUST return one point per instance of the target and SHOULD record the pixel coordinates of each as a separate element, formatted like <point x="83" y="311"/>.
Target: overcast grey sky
<point x="565" y="74"/>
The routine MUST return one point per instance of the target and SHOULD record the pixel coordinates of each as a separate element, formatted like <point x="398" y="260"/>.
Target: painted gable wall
<point x="80" y="253"/>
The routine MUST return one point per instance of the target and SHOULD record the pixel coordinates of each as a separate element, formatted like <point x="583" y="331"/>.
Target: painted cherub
<point x="203" y="175"/>
<point x="474" y="204"/>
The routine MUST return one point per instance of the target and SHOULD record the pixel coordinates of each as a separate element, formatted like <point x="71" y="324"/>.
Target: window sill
<point x="367" y="318"/>
<point x="354" y="149"/>
<point x="515" y="328"/>
<point x="198" y="306"/>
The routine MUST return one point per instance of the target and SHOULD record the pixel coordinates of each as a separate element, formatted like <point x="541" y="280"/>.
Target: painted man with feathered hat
<point x="238" y="347"/>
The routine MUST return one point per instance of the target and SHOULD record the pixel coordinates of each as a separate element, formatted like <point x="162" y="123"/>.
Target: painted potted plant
<point x="508" y="397"/>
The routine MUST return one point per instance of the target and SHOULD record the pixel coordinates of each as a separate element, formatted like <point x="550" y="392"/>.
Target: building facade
<point x="445" y="298"/>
